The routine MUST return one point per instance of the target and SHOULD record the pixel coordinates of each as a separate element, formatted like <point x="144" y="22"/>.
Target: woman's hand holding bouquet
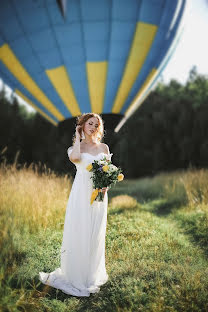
<point x="104" y="175"/>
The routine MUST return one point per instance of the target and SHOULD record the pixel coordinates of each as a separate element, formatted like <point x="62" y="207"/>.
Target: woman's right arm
<point x="75" y="154"/>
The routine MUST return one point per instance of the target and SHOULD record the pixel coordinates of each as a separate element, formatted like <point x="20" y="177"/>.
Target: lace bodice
<point x="87" y="158"/>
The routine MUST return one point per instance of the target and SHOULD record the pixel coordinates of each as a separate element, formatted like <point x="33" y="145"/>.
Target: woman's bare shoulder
<point x="105" y="148"/>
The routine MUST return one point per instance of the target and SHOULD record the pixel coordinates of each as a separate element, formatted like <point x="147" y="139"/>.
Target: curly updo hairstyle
<point x="81" y="122"/>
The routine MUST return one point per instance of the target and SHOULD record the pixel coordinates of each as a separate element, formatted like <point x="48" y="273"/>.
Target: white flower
<point x="112" y="168"/>
<point x="102" y="162"/>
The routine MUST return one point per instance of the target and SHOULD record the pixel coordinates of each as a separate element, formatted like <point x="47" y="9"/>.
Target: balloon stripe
<point x="16" y="68"/>
<point x="15" y="84"/>
<point x="144" y="87"/>
<point x="166" y="38"/>
<point x="97" y="73"/>
<point x="143" y="38"/>
<point x="35" y="107"/>
<point x="154" y="80"/>
<point x="61" y="82"/>
<point x="158" y="46"/>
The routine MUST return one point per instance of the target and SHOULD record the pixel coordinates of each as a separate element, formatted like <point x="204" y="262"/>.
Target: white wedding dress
<point x="82" y="253"/>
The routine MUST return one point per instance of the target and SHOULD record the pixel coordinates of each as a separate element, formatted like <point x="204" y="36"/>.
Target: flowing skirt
<point x="82" y="270"/>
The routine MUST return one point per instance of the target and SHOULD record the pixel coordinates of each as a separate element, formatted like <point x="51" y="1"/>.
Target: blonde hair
<point x="81" y="122"/>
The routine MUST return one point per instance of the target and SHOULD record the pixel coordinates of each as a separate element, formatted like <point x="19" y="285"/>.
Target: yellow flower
<point x="120" y="177"/>
<point x="89" y="167"/>
<point x="94" y="195"/>
<point x="105" y="168"/>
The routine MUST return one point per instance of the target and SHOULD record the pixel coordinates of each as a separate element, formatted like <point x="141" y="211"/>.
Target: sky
<point x="192" y="48"/>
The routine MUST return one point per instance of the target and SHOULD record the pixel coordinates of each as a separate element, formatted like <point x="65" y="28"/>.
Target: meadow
<point x="156" y="242"/>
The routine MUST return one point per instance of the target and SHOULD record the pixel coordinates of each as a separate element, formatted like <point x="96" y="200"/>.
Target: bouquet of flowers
<point x="104" y="175"/>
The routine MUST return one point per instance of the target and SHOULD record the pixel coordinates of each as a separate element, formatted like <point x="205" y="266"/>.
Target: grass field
<point x="156" y="242"/>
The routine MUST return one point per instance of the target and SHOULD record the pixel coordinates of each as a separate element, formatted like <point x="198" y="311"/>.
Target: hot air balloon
<point x="70" y="57"/>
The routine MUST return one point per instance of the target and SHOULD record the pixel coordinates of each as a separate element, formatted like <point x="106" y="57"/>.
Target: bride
<point x="82" y="270"/>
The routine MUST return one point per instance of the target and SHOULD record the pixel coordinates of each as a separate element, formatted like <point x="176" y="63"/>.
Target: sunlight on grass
<point x="36" y="199"/>
<point x="123" y="202"/>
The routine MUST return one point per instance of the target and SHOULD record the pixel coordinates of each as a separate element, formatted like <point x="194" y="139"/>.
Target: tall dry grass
<point x="195" y="182"/>
<point x="32" y="199"/>
<point x="189" y="187"/>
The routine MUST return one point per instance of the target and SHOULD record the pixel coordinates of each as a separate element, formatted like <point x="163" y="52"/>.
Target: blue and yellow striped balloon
<point x="70" y="57"/>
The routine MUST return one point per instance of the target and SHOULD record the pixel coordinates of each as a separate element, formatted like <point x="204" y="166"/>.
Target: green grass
<point x="156" y="243"/>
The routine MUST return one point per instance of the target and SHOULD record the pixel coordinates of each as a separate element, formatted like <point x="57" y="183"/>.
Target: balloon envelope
<point x="70" y="57"/>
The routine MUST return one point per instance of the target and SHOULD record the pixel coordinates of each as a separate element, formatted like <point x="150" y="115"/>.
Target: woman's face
<point x="91" y="126"/>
